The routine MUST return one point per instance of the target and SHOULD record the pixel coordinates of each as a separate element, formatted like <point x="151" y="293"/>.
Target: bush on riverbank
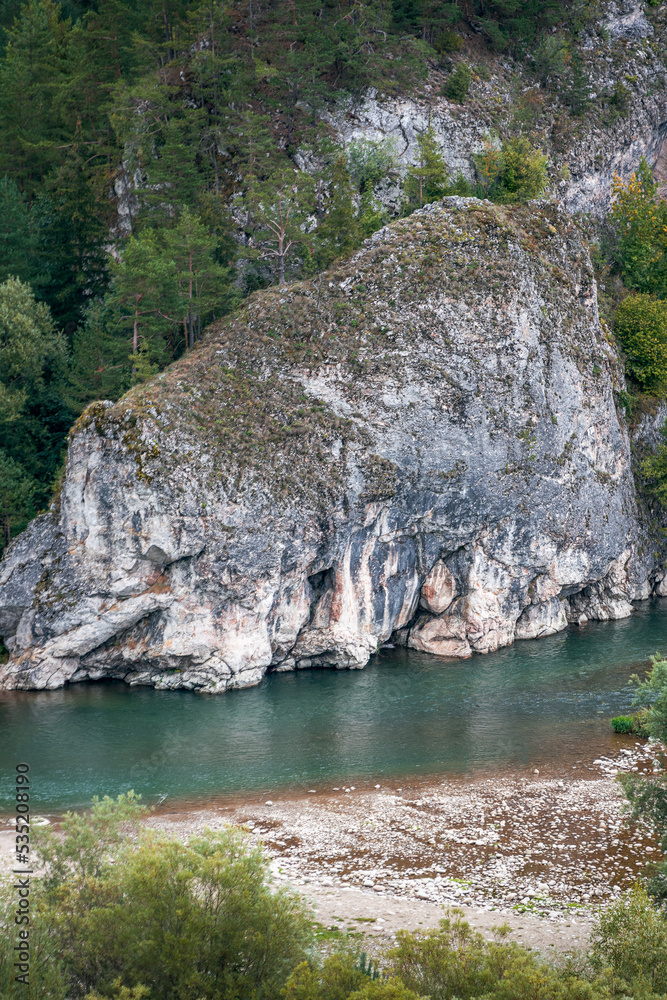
<point x="125" y="914"/>
<point x="647" y="796"/>
<point x="195" y="921"/>
<point x="630" y="725"/>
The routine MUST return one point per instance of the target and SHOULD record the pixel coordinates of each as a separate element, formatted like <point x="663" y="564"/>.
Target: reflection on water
<point x="537" y="702"/>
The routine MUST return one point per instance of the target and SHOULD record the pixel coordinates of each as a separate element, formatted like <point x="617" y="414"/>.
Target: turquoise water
<point x="541" y="703"/>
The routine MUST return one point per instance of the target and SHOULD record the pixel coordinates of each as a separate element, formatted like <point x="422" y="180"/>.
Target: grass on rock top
<point x="237" y="403"/>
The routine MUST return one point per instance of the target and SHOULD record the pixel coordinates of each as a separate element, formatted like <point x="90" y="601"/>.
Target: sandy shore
<point x="539" y="852"/>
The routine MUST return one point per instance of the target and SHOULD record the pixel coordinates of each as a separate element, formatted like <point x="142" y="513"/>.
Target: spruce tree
<point x="17" y="237"/>
<point x="100" y="367"/>
<point x="30" y="74"/>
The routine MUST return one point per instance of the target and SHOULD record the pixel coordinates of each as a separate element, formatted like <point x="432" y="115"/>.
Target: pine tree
<point x="71" y="223"/>
<point x="577" y="94"/>
<point x="204" y="285"/>
<point x="427" y="178"/>
<point x="99" y="365"/>
<point x="284" y="202"/>
<point x="144" y="289"/>
<point x="30" y="74"/>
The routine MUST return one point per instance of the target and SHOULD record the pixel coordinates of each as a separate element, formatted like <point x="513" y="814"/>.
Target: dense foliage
<point x="641" y="327"/>
<point x="181" y="920"/>
<point x="638" y="250"/>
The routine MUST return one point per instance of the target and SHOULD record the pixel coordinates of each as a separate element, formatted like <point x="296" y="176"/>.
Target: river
<point x="540" y="703"/>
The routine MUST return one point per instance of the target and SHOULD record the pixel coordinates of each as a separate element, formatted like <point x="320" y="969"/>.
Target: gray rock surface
<point x="422" y="443"/>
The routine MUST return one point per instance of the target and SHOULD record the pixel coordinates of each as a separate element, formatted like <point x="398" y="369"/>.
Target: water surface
<point x="541" y="703"/>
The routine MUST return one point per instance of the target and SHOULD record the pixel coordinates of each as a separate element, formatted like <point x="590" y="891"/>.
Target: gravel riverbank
<point x="538" y="852"/>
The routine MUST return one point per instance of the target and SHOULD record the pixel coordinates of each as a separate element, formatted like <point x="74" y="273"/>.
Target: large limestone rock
<point x="422" y="443"/>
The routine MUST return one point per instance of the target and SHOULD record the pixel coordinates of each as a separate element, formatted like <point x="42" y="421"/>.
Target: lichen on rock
<point x="421" y="443"/>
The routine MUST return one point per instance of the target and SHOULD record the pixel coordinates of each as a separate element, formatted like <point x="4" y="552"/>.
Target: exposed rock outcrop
<point x="622" y="52"/>
<point x="422" y="443"/>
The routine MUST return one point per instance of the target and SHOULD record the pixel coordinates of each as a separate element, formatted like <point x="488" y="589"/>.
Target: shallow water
<point x="543" y="702"/>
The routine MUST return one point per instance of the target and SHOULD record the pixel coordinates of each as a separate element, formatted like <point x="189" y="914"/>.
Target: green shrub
<point x="195" y="921"/>
<point x="639" y="218"/>
<point x="630" y="939"/>
<point x="455" y="961"/>
<point x="369" y="162"/>
<point x="458" y="84"/>
<point x="641" y="327"/>
<point x="448" y="42"/>
<point x="623" y="724"/>
<point x="634" y="725"/>
<point x="515" y="172"/>
<point x="334" y="979"/>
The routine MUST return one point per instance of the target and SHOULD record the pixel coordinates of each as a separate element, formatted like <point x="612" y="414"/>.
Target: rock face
<point x="421" y="444"/>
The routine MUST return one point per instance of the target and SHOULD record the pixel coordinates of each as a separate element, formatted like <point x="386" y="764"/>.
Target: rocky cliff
<point x="421" y="444"/>
<point x="622" y="53"/>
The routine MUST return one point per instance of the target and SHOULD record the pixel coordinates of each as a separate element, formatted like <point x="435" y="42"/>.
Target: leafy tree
<point x="426" y="179"/>
<point x="30" y="348"/>
<point x="639" y="218"/>
<point x="515" y="172"/>
<point x="34" y="413"/>
<point x="641" y="327"/>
